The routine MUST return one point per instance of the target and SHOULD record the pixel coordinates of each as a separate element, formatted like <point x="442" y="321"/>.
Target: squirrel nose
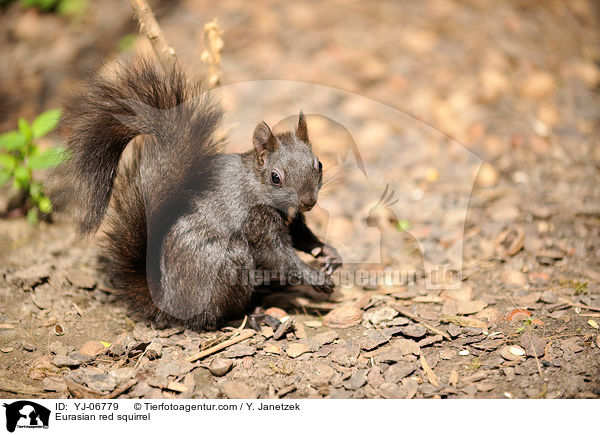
<point x="309" y="204"/>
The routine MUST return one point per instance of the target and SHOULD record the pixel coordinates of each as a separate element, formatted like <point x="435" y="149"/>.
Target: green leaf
<point x="22" y="177"/>
<point x="47" y="159"/>
<point x="72" y="8"/>
<point x="35" y="190"/>
<point x="8" y="162"/>
<point x="4" y="177"/>
<point x="13" y="141"/>
<point x="32" y="216"/>
<point x="25" y="129"/>
<point x="127" y="42"/>
<point x="403" y="225"/>
<point x="45" y="204"/>
<point x="45" y="123"/>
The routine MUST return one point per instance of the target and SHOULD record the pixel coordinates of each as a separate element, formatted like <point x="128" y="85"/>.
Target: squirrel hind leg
<point x="204" y="279"/>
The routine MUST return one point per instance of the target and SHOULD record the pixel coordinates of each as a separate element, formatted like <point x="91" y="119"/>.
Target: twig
<point x="212" y="53"/>
<point x="150" y="28"/>
<point x="426" y="325"/>
<point x="19" y="391"/>
<point x="539" y="366"/>
<point x="79" y="391"/>
<point x="431" y="376"/>
<point x="246" y="333"/>
<point x="582" y="306"/>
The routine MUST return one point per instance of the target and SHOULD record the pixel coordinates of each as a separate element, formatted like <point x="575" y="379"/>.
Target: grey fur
<point x="188" y="223"/>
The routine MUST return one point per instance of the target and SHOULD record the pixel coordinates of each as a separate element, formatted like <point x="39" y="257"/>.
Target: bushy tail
<point x="110" y="111"/>
<point x="179" y="120"/>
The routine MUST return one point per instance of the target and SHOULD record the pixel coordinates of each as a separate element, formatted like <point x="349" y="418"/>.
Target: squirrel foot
<point x="256" y="319"/>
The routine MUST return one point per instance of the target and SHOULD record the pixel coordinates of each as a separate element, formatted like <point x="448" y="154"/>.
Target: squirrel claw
<point x="255" y="320"/>
<point x="330" y="258"/>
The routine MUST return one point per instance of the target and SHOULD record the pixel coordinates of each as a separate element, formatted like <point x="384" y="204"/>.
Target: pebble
<point x="512" y="353"/>
<point x="220" y="366"/>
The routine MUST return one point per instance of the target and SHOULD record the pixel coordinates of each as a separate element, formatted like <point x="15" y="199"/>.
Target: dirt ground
<point x="487" y="133"/>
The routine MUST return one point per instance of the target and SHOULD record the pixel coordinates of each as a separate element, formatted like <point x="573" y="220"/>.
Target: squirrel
<point x="184" y="223"/>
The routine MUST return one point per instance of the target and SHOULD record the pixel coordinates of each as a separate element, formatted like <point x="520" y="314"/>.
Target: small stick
<point x="539" y="366"/>
<point x="79" y="391"/>
<point x="19" y="391"/>
<point x="246" y="333"/>
<point x="418" y="320"/>
<point x="431" y="376"/>
<point x="212" y="53"/>
<point x="150" y="28"/>
<point x="582" y="306"/>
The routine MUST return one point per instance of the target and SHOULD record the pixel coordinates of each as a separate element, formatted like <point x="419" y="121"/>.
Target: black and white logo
<point x="24" y="414"/>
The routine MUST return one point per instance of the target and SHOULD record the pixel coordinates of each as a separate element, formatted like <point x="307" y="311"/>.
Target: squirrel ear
<point x="263" y="141"/>
<point x="302" y="130"/>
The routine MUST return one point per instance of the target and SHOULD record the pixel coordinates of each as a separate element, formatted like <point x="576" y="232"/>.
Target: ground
<point x="505" y="91"/>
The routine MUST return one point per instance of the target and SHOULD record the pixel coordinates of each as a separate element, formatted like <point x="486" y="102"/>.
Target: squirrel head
<point x="287" y="167"/>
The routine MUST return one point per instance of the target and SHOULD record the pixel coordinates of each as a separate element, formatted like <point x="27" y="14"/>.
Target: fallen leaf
<point x="518" y="314"/>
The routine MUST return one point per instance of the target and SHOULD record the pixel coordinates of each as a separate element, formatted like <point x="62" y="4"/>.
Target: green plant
<point x="20" y="156"/>
<point x="403" y="225"/>
<point x="65" y="7"/>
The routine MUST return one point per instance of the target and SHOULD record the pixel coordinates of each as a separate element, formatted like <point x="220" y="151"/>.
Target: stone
<point x="220" y="366"/>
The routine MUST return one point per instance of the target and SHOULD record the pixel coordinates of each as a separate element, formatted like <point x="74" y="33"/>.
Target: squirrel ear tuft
<point x="264" y="141"/>
<point x="302" y="130"/>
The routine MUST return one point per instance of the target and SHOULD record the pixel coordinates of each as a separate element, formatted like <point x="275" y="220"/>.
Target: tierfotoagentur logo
<point x="24" y="414"/>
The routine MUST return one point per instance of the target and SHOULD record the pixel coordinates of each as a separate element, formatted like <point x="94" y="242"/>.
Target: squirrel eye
<point x="320" y="167"/>
<point x="275" y="178"/>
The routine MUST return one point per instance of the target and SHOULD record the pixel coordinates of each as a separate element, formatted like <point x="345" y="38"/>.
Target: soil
<point x="480" y="118"/>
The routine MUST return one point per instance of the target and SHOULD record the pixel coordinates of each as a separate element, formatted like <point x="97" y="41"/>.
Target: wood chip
<point x="177" y="386"/>
<point x="431" y="376"/>
<point x="343" y="317"/>
<point x="464" y="321"/>
<point x="294" y="350"/>
<point x="453" y="378"/>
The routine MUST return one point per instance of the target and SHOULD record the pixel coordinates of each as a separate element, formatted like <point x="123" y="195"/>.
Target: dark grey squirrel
<point x="187" y="225"/>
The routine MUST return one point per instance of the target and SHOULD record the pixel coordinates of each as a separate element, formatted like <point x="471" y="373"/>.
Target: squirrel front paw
<point x="321" y="281"/>
<point x="329" y="257"/>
